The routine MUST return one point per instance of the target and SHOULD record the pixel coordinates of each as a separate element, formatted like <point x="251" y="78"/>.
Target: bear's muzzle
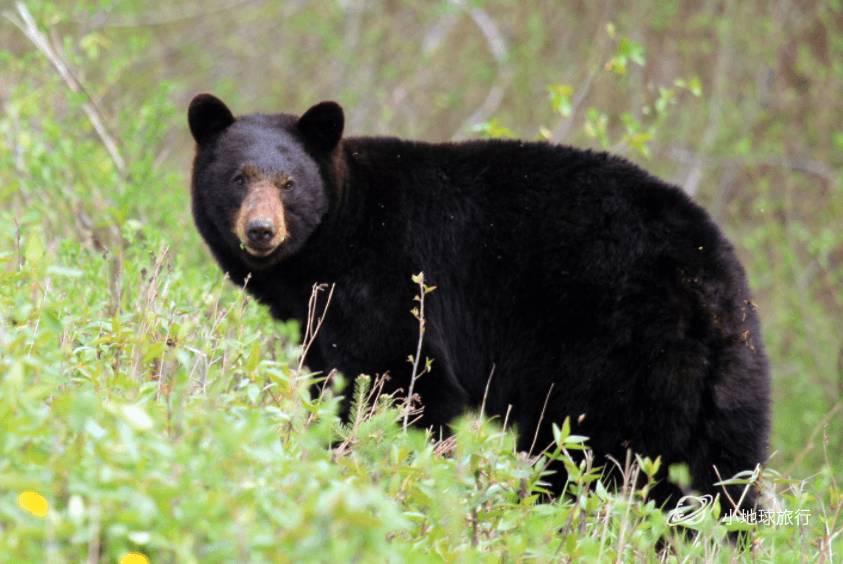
<point x="260" y="224"/>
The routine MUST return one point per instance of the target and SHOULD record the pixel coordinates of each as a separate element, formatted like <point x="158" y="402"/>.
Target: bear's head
<point x="260" y="184"/>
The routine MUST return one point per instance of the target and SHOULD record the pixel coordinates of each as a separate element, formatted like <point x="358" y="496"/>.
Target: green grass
<point x="158" y="410"/>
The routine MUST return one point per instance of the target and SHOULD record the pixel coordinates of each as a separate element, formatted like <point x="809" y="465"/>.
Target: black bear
<point x="569" y="282"/>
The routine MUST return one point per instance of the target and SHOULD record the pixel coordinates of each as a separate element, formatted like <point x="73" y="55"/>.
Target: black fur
<point x="555" y="266"/>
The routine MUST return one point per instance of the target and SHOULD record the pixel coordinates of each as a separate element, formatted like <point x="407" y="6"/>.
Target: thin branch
<point x="810" y="443"/>
<point x="436" y="35"/>
<point x="52" y="52"/>
<point x="600" y="41"/>
<point x="314" y="322"/>
<point x="541" y="418"/>
<point x="500" y="52"/>
<point x="723" y="487"/>
<point x="419" y="278"/>
<point x="486" y="391"/>
<point x="564" y="128"/>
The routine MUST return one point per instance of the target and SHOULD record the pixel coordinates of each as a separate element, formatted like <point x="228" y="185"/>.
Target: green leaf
<point x="137" y="417"/>
<point x="493" y="130"/>
<point x="560" y="98"/>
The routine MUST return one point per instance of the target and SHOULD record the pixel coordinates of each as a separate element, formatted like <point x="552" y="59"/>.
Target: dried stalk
<point x="419" y="315"/>
<point x="314" y="322"/>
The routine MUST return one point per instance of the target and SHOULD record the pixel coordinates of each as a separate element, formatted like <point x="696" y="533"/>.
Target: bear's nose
<point x="260" y="231"/>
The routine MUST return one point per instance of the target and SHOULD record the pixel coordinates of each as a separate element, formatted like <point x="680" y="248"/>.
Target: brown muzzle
<point x="259" y="224"/>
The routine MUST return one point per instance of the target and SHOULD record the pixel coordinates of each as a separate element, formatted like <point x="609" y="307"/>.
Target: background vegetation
<point x="153" y="410"/>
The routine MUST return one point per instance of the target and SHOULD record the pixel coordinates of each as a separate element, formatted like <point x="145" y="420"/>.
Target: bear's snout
<point x="260" y="224"/>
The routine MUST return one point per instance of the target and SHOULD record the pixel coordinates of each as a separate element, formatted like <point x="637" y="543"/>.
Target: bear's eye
<point x="288" y="184"/>
<point x="238" y="179"/>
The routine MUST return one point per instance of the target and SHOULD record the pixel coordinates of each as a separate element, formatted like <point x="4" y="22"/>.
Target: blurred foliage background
<point x="737" y="102"/>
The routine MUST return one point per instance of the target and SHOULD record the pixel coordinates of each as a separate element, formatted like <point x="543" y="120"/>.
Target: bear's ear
<point x="322" y="125"/>
<point x="207" y="115"/>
